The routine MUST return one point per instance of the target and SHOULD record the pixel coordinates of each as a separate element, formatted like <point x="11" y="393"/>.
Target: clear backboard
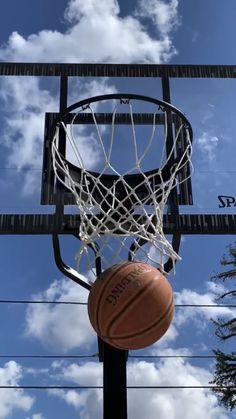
<point x="206" y="201"/>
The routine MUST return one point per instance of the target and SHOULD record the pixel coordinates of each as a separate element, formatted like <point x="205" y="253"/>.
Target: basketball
<point x="130" y="305"/>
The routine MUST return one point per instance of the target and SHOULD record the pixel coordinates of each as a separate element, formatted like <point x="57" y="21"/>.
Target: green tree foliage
<point x="225" y="370"/>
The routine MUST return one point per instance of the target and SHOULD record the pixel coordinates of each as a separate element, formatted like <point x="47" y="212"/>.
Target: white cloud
<point x="168" y="351"/>
<point x="208" y="145"/>
<point x="209" y="113"/>
<point x="36" y="416"/>
<point x="71" y="397"/>
<point x="171" y="403"/>
<point x="216" y="288"/>
<point x="121" y="39"/>
<point x="11" y="399"/>
<point x="88" y="401"/>
<point x="164" y="14"/>
<point x="96" y="33"/>
<point x="77" y="9"/>
<point x="35" y="371"/>
<point x="86" y="141"/>
<point x="147" y="403"/>
<point x="169" y="338"/>
<point x="81" y="374"/>
<point x="199" y="315"/>
<point x="60" y="326"/>
<point x="23" y="128"/>
<point x="22" y="131"/>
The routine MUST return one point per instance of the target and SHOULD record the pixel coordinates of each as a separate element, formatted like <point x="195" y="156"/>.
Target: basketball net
<point x="116" y="219"/>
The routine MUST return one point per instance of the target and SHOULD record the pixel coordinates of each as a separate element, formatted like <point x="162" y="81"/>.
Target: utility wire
<point x="42" y="302"/>
<point x="174" y="356"/>
<point x="206" y="305"/>
<point x="96" y="355"/>
<point x="84" y="303"/>
<point x="101" y="387"/>
<point x="50" y="356"/>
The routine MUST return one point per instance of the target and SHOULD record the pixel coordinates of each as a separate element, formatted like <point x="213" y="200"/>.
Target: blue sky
<point x="173" y="31"/>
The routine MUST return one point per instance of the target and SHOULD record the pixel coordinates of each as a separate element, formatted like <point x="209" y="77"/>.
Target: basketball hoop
<point x="121" y="206"/>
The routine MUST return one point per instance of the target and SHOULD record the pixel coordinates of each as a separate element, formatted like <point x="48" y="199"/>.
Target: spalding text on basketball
<point x="130" y="279"/>
<point x="227" y="201"/>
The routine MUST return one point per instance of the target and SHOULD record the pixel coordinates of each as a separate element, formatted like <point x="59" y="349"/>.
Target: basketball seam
<point x="144" y="330"/>
<point x="113" y="340"/>
<point x="124" y="308"/>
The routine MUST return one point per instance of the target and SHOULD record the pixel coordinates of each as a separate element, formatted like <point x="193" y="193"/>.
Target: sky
<point x="174" y="32"/>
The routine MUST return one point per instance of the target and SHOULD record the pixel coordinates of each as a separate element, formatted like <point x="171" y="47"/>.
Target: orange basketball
<point x="130" y="305"/>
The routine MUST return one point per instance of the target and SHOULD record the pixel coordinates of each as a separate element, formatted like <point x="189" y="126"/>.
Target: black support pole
<point x="114" y="382"/>
<point x="114" y="377"/>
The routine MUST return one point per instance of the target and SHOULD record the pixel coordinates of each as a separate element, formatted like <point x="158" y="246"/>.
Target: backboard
<point x="205" y="203"/>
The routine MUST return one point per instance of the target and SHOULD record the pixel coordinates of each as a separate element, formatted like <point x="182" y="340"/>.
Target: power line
<point x="173" y="387"/>
<point x="101" y="387"/>
<point x="215" y="171"/>
<point x="174" y="356"/>
<point x="84" y="303"/>
<point x="42" y="302"/>
<point x="50" y="356"/>
<point x="96" y="355"/>
<point x="206" y="305"/>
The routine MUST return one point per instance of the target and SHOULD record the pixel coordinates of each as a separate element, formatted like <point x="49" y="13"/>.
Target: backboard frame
<point x="65" y="224"/>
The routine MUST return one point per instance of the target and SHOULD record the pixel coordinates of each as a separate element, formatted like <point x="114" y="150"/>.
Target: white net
<point x="121" y="208"/>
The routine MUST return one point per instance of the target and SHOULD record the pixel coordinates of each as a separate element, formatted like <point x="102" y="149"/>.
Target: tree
<point x="225" y="370"/>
